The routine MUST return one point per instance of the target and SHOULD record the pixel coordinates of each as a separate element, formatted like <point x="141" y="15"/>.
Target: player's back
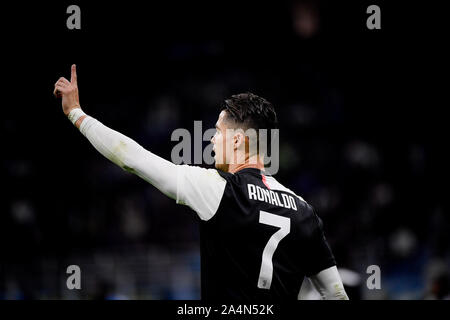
<point x="261" y="242"/>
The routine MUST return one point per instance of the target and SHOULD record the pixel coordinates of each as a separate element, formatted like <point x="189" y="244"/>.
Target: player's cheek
<point x="225" y="150"/>
<point x="219" y="150"/>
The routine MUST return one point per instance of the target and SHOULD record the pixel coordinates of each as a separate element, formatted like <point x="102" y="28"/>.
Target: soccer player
<point x="259" y="240"/>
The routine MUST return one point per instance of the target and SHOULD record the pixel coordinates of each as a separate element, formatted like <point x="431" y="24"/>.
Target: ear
<point x="238" y="139"/>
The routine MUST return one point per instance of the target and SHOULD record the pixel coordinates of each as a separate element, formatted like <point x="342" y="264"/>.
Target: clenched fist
<point x="68" y="90"/>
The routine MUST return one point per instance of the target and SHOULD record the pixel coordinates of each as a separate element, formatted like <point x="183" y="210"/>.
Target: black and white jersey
<point x="258" y="238"/>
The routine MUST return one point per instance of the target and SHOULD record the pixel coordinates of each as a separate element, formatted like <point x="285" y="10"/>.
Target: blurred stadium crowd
<point x="341" y="148"/>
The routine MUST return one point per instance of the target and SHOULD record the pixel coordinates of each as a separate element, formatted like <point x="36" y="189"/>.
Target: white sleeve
<point x="199" y="188"/>
<point x="307" y="291"/>
<point x="130" y="156"/>
<point x="328" y="284"/>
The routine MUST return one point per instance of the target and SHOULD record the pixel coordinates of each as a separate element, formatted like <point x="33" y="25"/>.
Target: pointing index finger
<point x="73" y="76"/>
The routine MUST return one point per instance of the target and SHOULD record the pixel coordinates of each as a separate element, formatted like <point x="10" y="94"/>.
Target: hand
<point x="68" y="91"/>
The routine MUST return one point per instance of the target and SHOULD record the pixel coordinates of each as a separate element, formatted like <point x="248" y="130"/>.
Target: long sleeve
<point x="327" y="283"/>
<point x="200" y="189"/>
<point x="130" y="156"/>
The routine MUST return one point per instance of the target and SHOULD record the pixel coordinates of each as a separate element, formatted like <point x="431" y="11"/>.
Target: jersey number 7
<point x="266" y="273"/>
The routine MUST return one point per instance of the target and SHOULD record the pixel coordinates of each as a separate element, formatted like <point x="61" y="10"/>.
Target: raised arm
<point x="115" y="146"/>
<point x="199" y="188"/>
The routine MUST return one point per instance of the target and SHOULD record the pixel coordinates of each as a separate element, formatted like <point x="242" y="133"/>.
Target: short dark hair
<point x="248" y="110"/>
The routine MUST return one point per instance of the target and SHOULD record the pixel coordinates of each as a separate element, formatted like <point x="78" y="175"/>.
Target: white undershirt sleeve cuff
<point x="75" y="114"/>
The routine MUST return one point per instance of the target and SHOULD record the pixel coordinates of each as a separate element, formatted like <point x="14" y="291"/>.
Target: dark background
<point x="362" y="133"/>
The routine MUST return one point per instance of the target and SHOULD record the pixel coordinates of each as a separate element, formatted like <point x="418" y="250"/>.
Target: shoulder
<point x="200" y="175"/>
<point x="201" y="189"/>
<point x="276" y="186"/>
<point x="311" y="224"/>
<point x="224" y="175"/>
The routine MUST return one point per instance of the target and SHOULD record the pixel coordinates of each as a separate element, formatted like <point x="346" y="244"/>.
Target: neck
<point x="250" y="162"/>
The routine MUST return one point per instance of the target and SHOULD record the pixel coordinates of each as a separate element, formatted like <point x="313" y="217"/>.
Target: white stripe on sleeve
<point x="201" y="189"/>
